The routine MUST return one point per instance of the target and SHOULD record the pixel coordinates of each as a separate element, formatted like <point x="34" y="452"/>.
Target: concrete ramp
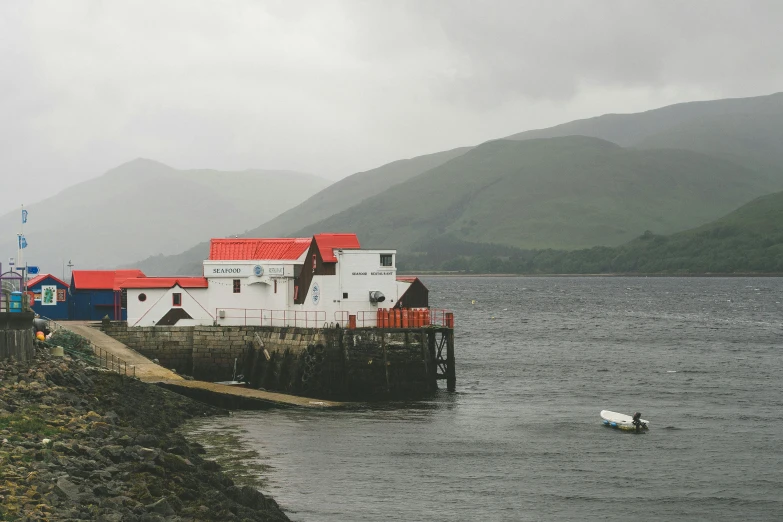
<point x="146" y="370"/>
<point x="239" y="397"/>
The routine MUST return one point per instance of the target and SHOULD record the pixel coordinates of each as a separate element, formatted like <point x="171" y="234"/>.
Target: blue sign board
<point x="33" y="270"/>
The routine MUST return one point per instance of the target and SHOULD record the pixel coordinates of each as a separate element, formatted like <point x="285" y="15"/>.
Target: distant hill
<point x="144" y="207"/>
<point x="679" y="166"/>
<point x="562" y="193"/>
<point x="629" y="129"/>
<point x="333" y="199"/>
<point x="748" y="240"/>
<point x="746" y="131"/>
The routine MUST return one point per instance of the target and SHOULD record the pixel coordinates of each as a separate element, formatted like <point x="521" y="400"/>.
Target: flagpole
<point x="20" y="258"/>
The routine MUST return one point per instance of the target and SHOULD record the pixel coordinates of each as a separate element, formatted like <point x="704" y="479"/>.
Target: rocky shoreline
<point x="81" y="443"/>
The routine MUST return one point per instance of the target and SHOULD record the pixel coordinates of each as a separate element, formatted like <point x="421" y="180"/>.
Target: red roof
<point x="327" y="243"/>
<point x="289" y="249"/>
<point x="407" y="279"/>
<point x="165" y="282"/>
<point x="39" y="278"/>
<point x="102" y="279"/>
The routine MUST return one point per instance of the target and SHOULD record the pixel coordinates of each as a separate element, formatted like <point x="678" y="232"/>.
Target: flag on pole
<point x="22" y="242"/>
<point x="24" y="216"/>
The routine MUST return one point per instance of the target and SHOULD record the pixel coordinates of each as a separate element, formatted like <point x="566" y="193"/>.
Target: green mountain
<point x="144" y="207"/>
<point x="675" y="167"/>
<point x="748" y="240"/>
<point x="562" y="193"/>
<point x="630" y="129"/>
<point x="333" y="199"/>
<point x="746" y="131"/>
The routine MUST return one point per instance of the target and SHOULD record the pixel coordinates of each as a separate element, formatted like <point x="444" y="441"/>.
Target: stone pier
<point x="332" y="363"/>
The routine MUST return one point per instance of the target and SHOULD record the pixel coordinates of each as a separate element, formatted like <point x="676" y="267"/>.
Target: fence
<point x="397" y="318"/>
<point x="380" y="318"/>
<point x="263" y="317"/>
<point x="111" y="362"/>
<point x="96" y="356"/>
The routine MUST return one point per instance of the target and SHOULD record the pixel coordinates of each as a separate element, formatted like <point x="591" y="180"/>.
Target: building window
<point x="176" y="299"/>
<point x="142" y="297"/>
<point x="275" y="285"/>
<point x="386" y="260"/>
<point x="345" y="295"/>
<point x="237" y="288"/>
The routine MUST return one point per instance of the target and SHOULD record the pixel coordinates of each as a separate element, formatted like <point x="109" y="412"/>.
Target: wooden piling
<point x="451" y="371"/>
<point x="431" y="383"/>
<point x="432" y="359"/>
<point x="385" y="362"/>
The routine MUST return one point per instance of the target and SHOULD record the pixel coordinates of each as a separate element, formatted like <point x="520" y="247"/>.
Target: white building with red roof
<point x="307" y="282"/>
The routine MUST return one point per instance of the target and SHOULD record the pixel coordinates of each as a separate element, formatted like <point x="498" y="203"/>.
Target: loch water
<point x="521" y="439"/>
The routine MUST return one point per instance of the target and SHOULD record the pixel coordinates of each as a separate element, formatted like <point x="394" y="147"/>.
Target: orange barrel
<point x="385" y="319"/>
<point x="379" y="318"/>
<point x="397" y="318"/>
<point x="404" y="313"/>
<point x="352" y="322"/>
<point x="414" y="318"/>
<point x="419" y="321"/>
<point x="426" y="317"/>
<point x="449" y="319"/>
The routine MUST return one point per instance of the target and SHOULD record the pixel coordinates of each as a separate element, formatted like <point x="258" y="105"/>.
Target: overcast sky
<point x="337" y="87"/>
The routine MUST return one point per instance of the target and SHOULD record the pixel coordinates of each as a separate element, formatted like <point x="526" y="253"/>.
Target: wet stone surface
<point x="78" y="443"/>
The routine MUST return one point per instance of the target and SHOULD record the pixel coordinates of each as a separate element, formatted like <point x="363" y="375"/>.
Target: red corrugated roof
<point x="258" y="249"/>
<point x="407" y="279"/>
<point x="165" y="282"/>
<point x="37" y="280"/>
<point x="102" y="279"/>
<point x="328" y="242"/>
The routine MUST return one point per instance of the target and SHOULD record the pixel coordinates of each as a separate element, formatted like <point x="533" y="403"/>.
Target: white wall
<point x="257" y="303"/>
<point x="358" y="273"/>
<point x="255" y="295"/>
<point x="159" y="301"/>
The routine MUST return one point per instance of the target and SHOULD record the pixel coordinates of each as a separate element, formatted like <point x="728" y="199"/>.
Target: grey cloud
<point x="551" y="49"/>
<point x="336" y="87"/>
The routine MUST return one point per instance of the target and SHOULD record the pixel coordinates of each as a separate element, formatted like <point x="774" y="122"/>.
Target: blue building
<point x="95" y="294"/>
<point x="51" y="296"/>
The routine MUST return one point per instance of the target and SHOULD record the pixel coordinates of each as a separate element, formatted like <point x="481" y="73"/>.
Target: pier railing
<point x="397" y="318"/>
<point x="92" y="354"/>
<point x="380" y="318"/>
<point x="264" y="317"/>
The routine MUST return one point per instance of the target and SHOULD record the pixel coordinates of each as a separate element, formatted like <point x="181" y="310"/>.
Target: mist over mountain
<point x="599" y="181"/>
<point x="333" y="199"/>
<point x="144" y="207"/>
<point x="565" y="193"/>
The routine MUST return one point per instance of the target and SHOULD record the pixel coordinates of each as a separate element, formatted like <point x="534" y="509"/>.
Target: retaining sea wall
<point x="356" y="364"/>
<point x="17" y="336"/>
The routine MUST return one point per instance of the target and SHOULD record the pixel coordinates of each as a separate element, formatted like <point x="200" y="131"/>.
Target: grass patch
<point x="22" y="424"/>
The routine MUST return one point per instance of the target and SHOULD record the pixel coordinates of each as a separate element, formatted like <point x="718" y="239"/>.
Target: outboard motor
<point x="637" y="421"/>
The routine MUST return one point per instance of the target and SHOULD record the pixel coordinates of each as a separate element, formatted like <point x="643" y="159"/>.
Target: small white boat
<point x="622" y="421"/>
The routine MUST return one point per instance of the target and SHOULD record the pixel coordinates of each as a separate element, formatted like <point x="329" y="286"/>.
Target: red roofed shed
<point x="97" y="293"/>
